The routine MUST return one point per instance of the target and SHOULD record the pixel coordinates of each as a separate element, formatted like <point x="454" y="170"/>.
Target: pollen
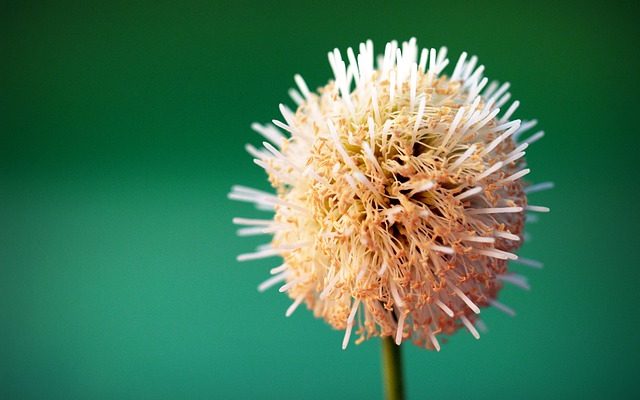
<point x="398" y="198"/>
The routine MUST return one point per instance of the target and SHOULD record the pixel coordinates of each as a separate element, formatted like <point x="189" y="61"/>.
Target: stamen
<point x="516" y="176"/>
<point x="347" y="336"/>
<point x="537" y="209"/>
<point x="258" y="255"/>
<point x="505" y="309"/>
<point x="295" y="96"/>
<point x="278" y="269"/>
<point x="517" y="280"/>
<point x="363" y="179"/>
<point x="257" y="231"/>
<point x="452" y="129"/>
<point x="395" y="294"/>
<point x="514" y="106"/>
<point x="524" y="128"/>
<point x="535" y="137"/>
<point x="494" y="210"/>
<point x="459" y="66"/>
<point x="383" y="268"/>
<point x="499" y="254"/>
<point x="424" y="55"/>
<point x="412" y="87"/>
<point x="347" y="332"/>
<point x="304" y="89"/>
<point x="249" y="221"/>
<point x="400" y="330"/>
<point x="370" y="156"/>
<point x="474" y="77"/>
<point x="272" y="281"/>
<point x="506" y="235"/>
<point x="434" y="341"/>
<point x="374" y="103"/>
<point x="354" y="310"/>
<point x="489" y="171"/>
<point x="444" y="308"/>
<point x="478" y="239"/>
<point x="339" y="147"/>
<point x="293" y="306"/>
<point x="422" y="188"/>
<point x="372" y="137"/>
<point x="269" y="133"/>
<point x="492" y="88"/>
<point x="282" y="126"/>
<point x="259" y="154"/>
<point x="468" y="68"/>
<point x="416" y="125"/>
<point x="505" y="86"/>
<point x="442" y="249"/>
<point x="539" y="187"/>
<point x="503" y="136"/>
<point x="466" y="300"/>
<point x="468" y="193"/>
<point x="464" y="156"/>
<point x="470" y="327"/>
<point x="513" y="158"/>
<point x="270" y="252"/>
<point x="529" y="262"/>
<point x="481" y="326"/>
<point x="502" y="100"/>
<point x="327" y="289"/>
<point x="288" y="285"/>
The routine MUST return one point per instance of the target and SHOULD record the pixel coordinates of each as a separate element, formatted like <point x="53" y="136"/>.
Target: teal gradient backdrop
<point x="123" y="128"/>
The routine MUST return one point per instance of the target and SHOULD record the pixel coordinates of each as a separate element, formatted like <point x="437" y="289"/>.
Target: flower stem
<point x="392" y="370"/>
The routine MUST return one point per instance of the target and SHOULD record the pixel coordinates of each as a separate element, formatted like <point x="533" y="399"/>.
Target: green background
<point x="122" y="130"/>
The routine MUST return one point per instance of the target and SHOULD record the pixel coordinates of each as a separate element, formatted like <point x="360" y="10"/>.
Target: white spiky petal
<point x="399" y="195"/>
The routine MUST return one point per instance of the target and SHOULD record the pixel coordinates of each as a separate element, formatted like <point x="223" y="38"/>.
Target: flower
<point x="399" y="199"/>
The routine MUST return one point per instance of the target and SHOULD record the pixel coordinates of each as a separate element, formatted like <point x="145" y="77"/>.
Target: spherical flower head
<point x="399" y="198"/>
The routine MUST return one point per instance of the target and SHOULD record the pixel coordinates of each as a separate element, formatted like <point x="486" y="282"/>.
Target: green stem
<point x="392" y="369"/>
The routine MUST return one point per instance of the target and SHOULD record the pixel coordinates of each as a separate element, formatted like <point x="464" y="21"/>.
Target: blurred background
<point x="122" y="129"/>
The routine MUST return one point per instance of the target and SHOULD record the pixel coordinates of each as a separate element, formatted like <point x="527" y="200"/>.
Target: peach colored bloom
<point x="398" y="194"/>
